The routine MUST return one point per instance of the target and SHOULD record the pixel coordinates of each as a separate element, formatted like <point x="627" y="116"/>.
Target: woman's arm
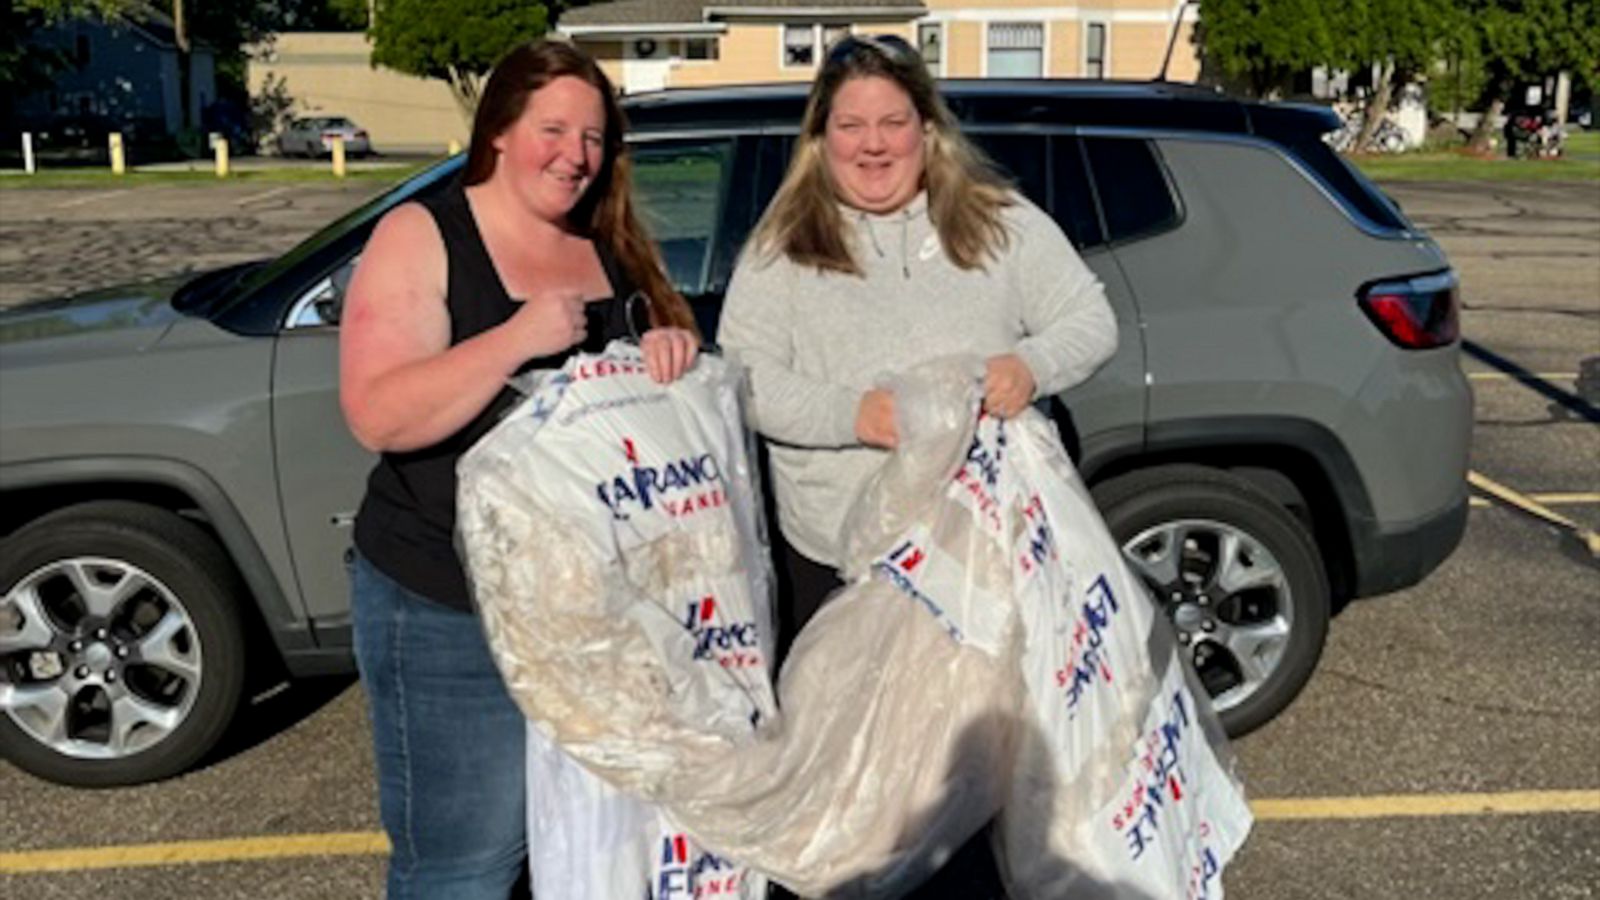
<point x="401" y="385"/>
<point x="1071" y="330"/>
<point x="757" y="330"/>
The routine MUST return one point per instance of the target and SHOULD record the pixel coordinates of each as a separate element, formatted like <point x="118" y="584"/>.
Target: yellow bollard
<point x="338" y="157"/>
<point x="220" y="147"/>
<point x="118" y="164"/>
<point x="454" y="148"/>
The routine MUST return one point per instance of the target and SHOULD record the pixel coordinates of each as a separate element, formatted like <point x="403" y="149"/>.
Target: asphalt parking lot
<point x="1446" y="747"/>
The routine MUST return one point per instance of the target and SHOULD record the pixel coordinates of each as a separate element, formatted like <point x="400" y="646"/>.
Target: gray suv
<point x="1284" y="427"/>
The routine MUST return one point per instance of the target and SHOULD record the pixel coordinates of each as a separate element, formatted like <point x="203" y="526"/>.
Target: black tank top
<point x="406" y="524"/>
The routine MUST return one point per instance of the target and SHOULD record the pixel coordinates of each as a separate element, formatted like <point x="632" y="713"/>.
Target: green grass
<point x="1436" y="166"/>
<point x="1583" y="142"/>
<point x="104" y="179"/>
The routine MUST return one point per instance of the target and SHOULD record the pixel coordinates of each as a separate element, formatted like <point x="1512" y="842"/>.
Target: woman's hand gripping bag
<point x="610" y="529"/>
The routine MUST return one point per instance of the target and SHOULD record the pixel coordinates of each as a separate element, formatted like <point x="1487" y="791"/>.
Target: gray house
<point x="122" y="71"/>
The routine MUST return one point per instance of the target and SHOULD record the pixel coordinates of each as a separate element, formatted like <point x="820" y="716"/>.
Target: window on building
<point x="1016" y="49"/>
<point x="700" y="48"/>
<point x="930" y="43"/>
<point x="1094" y="58"/>
<point x="82" y="55"/>
<point x="799" y="45"/>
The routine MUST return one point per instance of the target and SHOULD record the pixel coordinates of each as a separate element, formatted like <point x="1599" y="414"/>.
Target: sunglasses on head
<point x="890" y="45"/>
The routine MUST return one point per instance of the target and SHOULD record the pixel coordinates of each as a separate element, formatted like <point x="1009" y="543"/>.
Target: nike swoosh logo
<point x="930" y="248"/>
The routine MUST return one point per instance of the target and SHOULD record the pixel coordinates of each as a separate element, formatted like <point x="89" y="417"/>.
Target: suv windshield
<point x="234" y="310"/>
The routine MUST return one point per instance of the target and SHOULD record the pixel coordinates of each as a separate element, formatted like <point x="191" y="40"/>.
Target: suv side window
<point x="1074" y="199"/>
<point x="681" y="188"/>
<point x="1062" y="190"/>
<point x="1022" y="158"/>
<point x="1135" y="197"/>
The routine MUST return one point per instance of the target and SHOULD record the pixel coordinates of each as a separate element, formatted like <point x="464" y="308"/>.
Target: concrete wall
<point x="329" y="73"/>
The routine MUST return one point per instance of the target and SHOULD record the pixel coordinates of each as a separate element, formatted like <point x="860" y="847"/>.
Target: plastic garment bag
<point x="938" y="688"/>
<point x="1123" y="785"/>
<point x="610" y="531"/>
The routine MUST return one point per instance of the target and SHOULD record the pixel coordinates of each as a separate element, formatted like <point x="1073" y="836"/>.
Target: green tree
<point x="1524" y="41"/>
<point x="455" y="41"/>
<point x="1399" y="40"/>
<point x="1259" y="45"/>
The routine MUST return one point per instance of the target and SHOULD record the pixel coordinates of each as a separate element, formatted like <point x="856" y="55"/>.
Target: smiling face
<point x="873" y="142"/>
<point x="553" y="151"/>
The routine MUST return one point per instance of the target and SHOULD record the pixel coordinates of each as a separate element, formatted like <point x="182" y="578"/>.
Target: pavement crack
<point x="1448" y="700"/>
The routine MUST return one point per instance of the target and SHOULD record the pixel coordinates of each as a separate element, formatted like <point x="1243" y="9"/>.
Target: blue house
<point x="123" y="72"/>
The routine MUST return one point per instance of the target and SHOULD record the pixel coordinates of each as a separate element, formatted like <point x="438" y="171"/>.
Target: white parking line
<point x="242" y="201"/>
<point x="80" y="201"/>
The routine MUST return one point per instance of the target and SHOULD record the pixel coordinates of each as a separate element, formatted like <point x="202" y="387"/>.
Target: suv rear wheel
<point x="121" y="656"/>
<point x="1237" y="574"/>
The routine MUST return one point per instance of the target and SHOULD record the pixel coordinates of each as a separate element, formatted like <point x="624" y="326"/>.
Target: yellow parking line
<point x="1590" y="539"/>
<point x="1570" y="498"/>
<point x="371" y="843"/>
<point x="1507" y="376"/>
<point x="1426" y="805"/>
<point x="349" y="843"/>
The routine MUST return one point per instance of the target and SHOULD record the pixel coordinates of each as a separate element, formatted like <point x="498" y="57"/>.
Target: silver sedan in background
<point x="314" y="137"/>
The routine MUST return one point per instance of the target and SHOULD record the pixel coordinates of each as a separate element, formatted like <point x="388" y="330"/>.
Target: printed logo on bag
<point x="734" y="645"/>
<point x="680" y="488"/>
<point x="543" y="403"/>
<point x="1161" y="781"/>
<point x="979" y="475"/>
<point x="1039" y="541"/>
<point x="682" y="874"/>
<point x="1087" y="663"/>
<point x="607" y="368"/>
<point x="901" y="566"/>
<point x="1202" y="882"/>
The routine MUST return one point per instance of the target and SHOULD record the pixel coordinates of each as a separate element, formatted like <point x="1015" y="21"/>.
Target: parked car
<point x="1284" y="427"/>
<point x="315" y="137"/>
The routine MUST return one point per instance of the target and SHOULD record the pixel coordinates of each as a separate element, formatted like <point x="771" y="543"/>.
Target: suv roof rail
<point x="1044" y="101"/>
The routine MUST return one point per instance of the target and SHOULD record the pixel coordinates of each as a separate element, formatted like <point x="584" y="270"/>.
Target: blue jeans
<point x="449" y="744"/>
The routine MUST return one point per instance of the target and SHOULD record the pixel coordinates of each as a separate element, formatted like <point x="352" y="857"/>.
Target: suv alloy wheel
<point x="121" y="656"/>
<point x="1237" y="574"/>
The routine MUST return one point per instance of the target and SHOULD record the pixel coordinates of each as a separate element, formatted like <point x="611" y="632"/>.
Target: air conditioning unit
<point x="645" y="48"/>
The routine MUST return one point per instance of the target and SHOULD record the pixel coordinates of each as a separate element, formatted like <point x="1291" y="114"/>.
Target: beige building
<point x="653" y="44"/>
<point x="331" y="73"/>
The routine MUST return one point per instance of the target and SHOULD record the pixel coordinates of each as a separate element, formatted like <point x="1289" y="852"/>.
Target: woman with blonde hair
<point x="533" y="253"/>
<point x="891" y="241"/>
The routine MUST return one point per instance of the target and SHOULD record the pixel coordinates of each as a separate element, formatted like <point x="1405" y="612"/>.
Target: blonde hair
<point x="965" y="193"/>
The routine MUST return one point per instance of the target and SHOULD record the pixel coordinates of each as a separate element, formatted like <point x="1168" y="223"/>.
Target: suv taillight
<point x="1415" y="313"/>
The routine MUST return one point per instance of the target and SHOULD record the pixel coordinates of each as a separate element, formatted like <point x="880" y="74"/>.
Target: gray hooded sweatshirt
<point x="814" y="341"/>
